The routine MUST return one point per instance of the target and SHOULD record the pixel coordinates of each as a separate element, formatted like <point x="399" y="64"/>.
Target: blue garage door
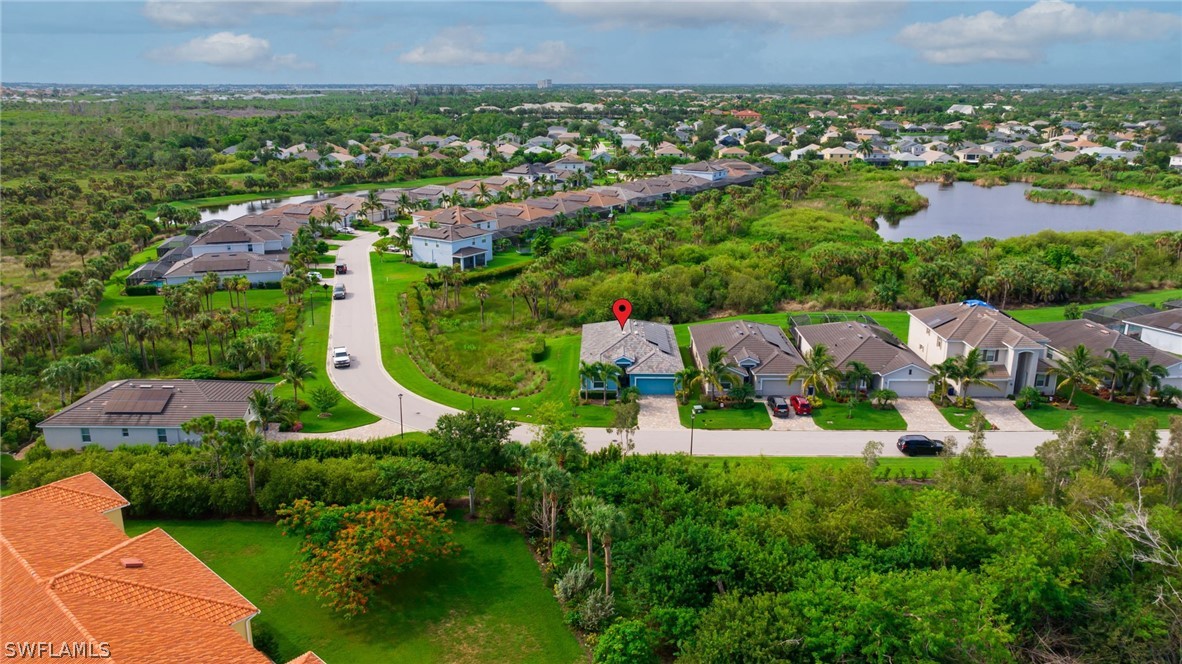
<point x="653" y="384"/>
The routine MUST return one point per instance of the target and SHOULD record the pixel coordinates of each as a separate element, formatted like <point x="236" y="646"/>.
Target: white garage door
<point x="772" y="387"/>
<point x="909" y="388"/>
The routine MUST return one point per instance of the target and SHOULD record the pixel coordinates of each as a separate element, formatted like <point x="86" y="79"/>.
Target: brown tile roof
<point x="449" y="233"/>
<point x="744" y="340"/>
<point x="871" y="345"/>
<point x="980" y="326"/>
<point x="61" y="564"/>
<point x="224" y="399"/>
<point x="1065" y="335"/>
<point x="455" y="215"/>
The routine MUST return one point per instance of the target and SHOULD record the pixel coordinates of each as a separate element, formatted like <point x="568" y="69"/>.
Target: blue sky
<point x="589" y="41"/>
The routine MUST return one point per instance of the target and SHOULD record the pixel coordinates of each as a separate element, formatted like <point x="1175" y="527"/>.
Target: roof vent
<point x="131" y="563"/>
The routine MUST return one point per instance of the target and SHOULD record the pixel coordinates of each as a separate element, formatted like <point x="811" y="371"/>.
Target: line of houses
<point x="765" y="356"/>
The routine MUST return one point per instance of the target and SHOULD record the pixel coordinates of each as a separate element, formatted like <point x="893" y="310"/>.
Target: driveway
<point x="922" y="415"/>
<point x="793" y="422"/>
<point x="1004" y="415"/>
<point x="658" y="413"/>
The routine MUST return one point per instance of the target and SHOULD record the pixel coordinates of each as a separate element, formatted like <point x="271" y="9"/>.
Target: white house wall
<point x="66" y="438"/>
<point x="1169" y="342"/>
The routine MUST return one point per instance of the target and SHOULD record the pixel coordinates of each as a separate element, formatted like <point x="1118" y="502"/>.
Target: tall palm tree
<point x="685" y="381"/>
<point x="296" y="370"/>
<point x="482" y="292"/>
<point x="588" y="373"/>
<point x="971" y="370"/>
<point x="819" y="371"/>
<point x="582" y="515"/>
<point x="266" y="408"/>
<point x="1117" y="364"/>
<point x="330" y="217"/>
<point x="856" y="375"/>
<point x="1143" y="376"/>
<point x="715" y="370"/>
<point x="1079" y="367"/>
<point x="607" y="523"/>
<point x="402" y="239"/>
<point x="250" y="448"/>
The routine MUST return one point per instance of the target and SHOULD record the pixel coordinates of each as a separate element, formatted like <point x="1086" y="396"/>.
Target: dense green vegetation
<point x="1058" y="196"/>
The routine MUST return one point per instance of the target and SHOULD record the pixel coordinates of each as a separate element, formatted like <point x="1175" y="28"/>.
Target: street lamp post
<point x="401" y="426"/>
<point x="693" y="416"/>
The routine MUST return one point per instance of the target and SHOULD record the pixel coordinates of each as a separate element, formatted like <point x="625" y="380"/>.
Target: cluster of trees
<point x="1114" y="374"/>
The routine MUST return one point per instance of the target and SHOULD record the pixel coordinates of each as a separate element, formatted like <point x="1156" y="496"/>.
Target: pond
<point x="235" y="210"/>
<point x="974" y="212"/>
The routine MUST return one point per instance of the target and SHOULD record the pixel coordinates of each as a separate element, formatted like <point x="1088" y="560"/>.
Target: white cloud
<point x="1025" y="36"/>
<point x="226" y="49"/>
<point x="461" y="47"/>
<point x="222" y="13"/>
<point x="817" y="18"/>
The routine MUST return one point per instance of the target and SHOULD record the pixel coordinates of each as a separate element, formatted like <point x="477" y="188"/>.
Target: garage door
<point x="653" y="385"/>
<point x="771" y="387"/>
<point x="909" y="388"/>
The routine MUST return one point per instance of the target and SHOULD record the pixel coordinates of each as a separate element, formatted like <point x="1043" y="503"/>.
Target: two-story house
<point x="1016" y="353"/>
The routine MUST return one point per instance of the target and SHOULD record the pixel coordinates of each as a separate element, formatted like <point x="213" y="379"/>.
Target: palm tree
<point x="971" y="370"/>
<point x="60" y="374"/>
<point x="330" y="217"/>
<point x="612" y="372"/>
<point x="818" y="371"/>
<point x="1143" y="376"/>
<point x="1117" y="364"/>
<point x="1077" y="368"/>
<point x="588" y="373"/>
<point x="607" y="522"/>
<point x="402" y="239"/>
<point x="716" y="369"/>
<point x="582" y="515"/>
<point x="866" y="147"/>
<point x="856" y="375"/>
<point x="251" y="447"/>
<point x="296" y="370"/>
<point x="372" y="204"/>
<point x="482" y="292"/>
<point x="266" y="408"/>
<point x="685" y="381"/>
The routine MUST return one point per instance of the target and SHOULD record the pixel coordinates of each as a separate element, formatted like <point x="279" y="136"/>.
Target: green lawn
<point x="346" y="414"/>
<point x="486" y="605"/>
<point x="392" y="276"/>
<point x="894" y="464"/>
<point x="1094" y="410"/>
<point x="755" y="417"/>
<point x="8" y="467"/>
<point x="959" y="417"/>
<point x="833" y="417"/>
<point x="1048" y="314"/>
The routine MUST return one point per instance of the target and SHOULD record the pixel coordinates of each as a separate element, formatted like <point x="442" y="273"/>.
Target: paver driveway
<point x="922" y="415"/>
<point x="1004" y="415"/>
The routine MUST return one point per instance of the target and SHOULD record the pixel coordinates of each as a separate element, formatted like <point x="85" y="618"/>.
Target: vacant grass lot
<point x="1094" y="410"/>
<point x="486" y="605"/>
<point x="755" y="417"/>
<point x="835" y="417"/>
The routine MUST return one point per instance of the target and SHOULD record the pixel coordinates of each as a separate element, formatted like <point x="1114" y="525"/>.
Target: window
<point x="162" y="435"/>
<point x="125" y="433"/>
<point x="939" y="343"/>
<point x="990" y="355"/>
<point x="85" y="435"/>
<point x="1040" y="380"/>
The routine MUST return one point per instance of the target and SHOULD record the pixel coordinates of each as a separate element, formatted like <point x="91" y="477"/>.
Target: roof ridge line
<point x="100" y="554"/>
<point x="47" y="587"/>
<point x="161" y="589"/>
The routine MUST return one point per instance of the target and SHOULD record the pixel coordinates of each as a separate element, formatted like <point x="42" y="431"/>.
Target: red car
<point x="801" y="405"/>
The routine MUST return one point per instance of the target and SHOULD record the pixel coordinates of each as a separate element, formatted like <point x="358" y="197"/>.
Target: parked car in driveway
<point x="913" y="444"/>
<point x="801" y="405"/>
<point x="779" y="406"/>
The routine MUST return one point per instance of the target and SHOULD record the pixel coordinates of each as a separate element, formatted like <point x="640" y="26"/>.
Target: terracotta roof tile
<point x="307" y="658"/>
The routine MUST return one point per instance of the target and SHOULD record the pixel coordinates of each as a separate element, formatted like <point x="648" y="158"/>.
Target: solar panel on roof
<point x="137" y="402"/>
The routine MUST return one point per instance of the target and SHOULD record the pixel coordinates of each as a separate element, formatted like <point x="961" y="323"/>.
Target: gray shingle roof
<point x="107" y="406"/>
<point x="743" y="339"/>
<point x="1065" y="335"/>
<point x="1169" y="320"/>
<point x="651" y="347"/>
<point x="871" y="345"/>
<point x="978" y="325"/>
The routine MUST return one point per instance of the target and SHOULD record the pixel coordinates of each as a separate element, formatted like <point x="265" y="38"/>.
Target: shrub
<point x="265" y="641"/>
<point x="200" y="372"/>
<point x="575" y="582"/>
<point x="595" y="612"/>
<point x="38" y="452"/>
<point x="138" y="291"/>
<point x="537" y="351"/>
<point x="493" y="495"/>
<point x="324" y="398"/>
<point x="1028" y="397"/>
<point x="626" y="642"/>
<point x="229" y="496"/>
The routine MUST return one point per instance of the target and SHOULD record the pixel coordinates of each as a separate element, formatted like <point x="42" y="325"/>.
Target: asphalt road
<point x="366" y="383"/>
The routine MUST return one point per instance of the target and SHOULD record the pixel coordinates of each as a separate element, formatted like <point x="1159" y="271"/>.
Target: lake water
<point x="974" y="212"/>
<point x="236" y="210"/>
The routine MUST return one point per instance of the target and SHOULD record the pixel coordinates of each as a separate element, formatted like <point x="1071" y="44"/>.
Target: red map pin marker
<point x="622" y="309"/>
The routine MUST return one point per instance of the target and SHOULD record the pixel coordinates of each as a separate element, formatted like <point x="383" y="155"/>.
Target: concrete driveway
<point x="658" y="412"/>
<point x="921" y="414"/>
<point x="793" y="422"/>
<point x="1003" y="414"/>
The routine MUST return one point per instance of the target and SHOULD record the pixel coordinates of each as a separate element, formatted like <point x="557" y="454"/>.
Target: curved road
<point x="366" y="383"/>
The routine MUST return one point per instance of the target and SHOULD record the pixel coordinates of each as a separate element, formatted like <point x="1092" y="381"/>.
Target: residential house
<point x="839" y="154"/>
<point x="907" y="160"/>
<point x="930" y="157"/>
<point x="866" y="134"/>
<point x="465" y="247"/>
<point x="257" y="268"/>
<point x="1114" y="315"/>
<point x="971" y="155"/>
<point x="1162" y="330"/>
<point x="758" y="354"/>
<point x="1063" y="337"/>
<point x="1015" y="353"/>
<point x="233" y="238"/>
<point x="401" y="152"/>
<point x="800" y="153"/>
<point x="895" y="366"/>
<point x="140" y="410"/>
<point x="963" y="109"/>
<point x="507" y="150"/>
<point x="667" y="149"/>
<point x="72" y="579"/>
<point x="540" y="142"/>
<point x="453" y="216"/>
<point x="1027" y="155"/>
<point x="645" y="352"/>
<point x="875" y="157"/>
<point x="734" y="152"/>
<point x="570" y="163"/>
<point x="434" y="141"/>
<point x="1176" y="162"/>
<point x="531" y="172"/>
<point x="701" y="169"/>
<point x="747" y="116"/>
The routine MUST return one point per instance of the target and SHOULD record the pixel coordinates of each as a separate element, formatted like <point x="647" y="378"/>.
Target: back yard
<point x="486" y="605"/>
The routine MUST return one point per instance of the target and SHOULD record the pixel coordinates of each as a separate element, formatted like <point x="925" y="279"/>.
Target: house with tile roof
<point x="458" y="245"/>
<point x="758" y="354"/>
<point x="894" y="365"/>
<point x="142" y="410"/>
<point x="1162" y="330"/>
<point x="645" y="352"/>
<point x="137" y="600"/>
<point x="1065" y="335"/>
<point x="1016" y="353"/>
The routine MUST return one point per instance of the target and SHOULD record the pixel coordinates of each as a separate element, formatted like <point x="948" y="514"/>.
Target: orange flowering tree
<point x="350" y="552"/>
